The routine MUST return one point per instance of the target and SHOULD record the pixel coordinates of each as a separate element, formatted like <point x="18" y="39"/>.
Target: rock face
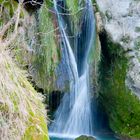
<point x="121" y="20"/>
<point x="85" y="138"/>
<point x="120" y="64"/>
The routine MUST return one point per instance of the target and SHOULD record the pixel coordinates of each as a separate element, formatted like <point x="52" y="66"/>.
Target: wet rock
<point x="85" y="138"/>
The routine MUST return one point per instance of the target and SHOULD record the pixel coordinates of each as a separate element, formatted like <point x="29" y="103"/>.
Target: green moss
<point x="21" y="107"/>
<point x="73" y="6"/>
<point x="39" y="47"/>
<point x="49" y="3"/>
<point x="85" y="138"/>
<point x="75" y="9"/>
<point x="95" y="5"/>
<point x="36" y="129"/>
<point x="47" y="53"/>
<point x="122" y="107"/>
<point x="8" y="6"/>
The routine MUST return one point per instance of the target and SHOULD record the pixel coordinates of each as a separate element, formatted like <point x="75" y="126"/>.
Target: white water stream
<point x="74" y="115"/>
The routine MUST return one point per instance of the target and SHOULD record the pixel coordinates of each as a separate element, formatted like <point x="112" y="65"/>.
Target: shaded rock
<point x="85" y="138"/>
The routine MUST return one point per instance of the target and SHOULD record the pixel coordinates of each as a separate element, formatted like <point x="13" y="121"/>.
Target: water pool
<point x="102" y="137"/>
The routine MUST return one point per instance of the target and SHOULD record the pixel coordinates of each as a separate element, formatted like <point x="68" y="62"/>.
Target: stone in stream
<point x="85" y="138"/>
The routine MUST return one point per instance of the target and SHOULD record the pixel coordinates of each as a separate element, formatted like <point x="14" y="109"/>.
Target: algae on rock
<point x="37" y="49"/>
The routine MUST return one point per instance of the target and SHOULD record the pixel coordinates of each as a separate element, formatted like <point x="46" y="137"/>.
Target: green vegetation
<point x="122" y="107"/>
<point x="73" y="6"/>
<point x="21" y="110"/>
<point x="47" y="51"/>
<point x="6" y="9"/>
<point x="22" y="113"/>
<point x="75" y="10"/>
<point x="36" y="46"/>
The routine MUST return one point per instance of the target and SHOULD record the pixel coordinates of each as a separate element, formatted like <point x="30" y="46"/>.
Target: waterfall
<point x="74" y="115"/>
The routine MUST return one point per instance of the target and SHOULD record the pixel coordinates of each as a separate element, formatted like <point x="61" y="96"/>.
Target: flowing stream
<point x="74" y="115"/>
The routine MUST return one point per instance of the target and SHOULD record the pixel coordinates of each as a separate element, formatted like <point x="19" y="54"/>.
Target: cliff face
<point x="121" y="20"/>
<point x="119" y="78"/>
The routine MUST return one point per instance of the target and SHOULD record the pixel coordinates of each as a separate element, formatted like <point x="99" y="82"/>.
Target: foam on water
<point x="74" y="115"/>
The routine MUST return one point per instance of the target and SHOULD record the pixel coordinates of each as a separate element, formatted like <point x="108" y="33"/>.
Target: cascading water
<point x="74" y="115"/>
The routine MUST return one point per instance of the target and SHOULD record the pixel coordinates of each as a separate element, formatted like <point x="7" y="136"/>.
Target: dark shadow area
<point x="101" y="118"/>
<point x="54" y="100"/>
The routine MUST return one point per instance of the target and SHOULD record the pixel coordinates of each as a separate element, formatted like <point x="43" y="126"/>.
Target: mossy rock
<point x="120" y="104"/>
<point x="22" y="113"/>
<point x="85" y="138"/>
<point x="47" y="52"/>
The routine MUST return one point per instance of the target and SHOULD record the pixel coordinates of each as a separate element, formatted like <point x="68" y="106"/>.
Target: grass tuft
<point x="21" y="110"/>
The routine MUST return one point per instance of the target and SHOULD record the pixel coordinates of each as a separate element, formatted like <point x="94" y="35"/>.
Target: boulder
<point x="85" y="138"/>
